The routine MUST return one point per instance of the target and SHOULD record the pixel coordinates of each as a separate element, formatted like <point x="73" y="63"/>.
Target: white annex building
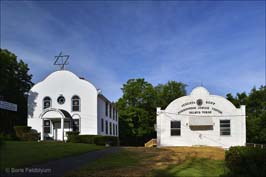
<point x="201" y="119"/>
<point x="64" y="102"/>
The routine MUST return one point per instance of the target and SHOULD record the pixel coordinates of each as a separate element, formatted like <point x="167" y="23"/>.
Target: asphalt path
<point x="57" y="168"/>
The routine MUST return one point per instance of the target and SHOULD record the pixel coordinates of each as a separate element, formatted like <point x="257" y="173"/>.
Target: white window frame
<point x="175" y="128"/>
<point x="43" y="102"/>
<point x="79" y="103"/>
<point x="225" y="129"/>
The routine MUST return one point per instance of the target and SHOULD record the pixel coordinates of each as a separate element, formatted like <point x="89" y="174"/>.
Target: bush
<point x="246" y="161"/>
<point x="7" y="137"/>
<point x="88" y="139"/>
<point x="31" y="136"/>
<point x="20" y="130"/>
<point x="104" y="140"/>
<point x="25" y="133"/>
<point x="74" y="137"/>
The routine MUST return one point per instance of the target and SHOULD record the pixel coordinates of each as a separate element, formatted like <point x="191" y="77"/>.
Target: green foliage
<point x="7" y="137"/>
<point x="256" y="113"/>
<point x="74" y="137"/>
<point x="168" y="92"/>
<point x="246" y="161"/>
<point x="25" y="133"/>
<point x="21" y="130"/>
<point x="31" y="136"/>
<point x="137" y="108"/>
<point x="103" y="140"/>
<point x="15" y="82"/>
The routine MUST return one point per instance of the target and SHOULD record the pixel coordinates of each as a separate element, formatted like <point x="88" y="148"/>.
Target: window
<point x="102" y="125"/>
<point x="175" y="128"/>
<point x="113" y="129"/>
<point x="61" y="99"/>
<point x="76" y="125"/>
<point x="47" y="102"/>
<point x="116" y="130"/>
<point x="106" y="127"/>
<point x="110" y="128"/>
<point x="225" y="127"/>
<point x="46" y="126"/>
<point x="114" y="113"/>
<point x="106" y="109"/>
<point x="75" y="103"/>
<point x="110" y="110"/>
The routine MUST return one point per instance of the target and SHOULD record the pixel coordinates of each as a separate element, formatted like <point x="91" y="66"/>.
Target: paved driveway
<point x="57" y="168"/>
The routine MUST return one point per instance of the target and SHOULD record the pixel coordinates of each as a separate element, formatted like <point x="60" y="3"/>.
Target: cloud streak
<point x="221" y="44"/>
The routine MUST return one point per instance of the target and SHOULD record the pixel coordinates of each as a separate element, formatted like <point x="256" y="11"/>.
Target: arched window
<point x="75" y="103"/>
<point x="47" y="102"/>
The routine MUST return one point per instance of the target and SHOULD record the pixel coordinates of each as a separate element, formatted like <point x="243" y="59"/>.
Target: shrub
<point x="73" y="137"/>
<point x="31" y="136"/>
<point x="7" y="137"/>
<point x="25" y="133"/>
<point x="88" y="139"/>
<point x="104" y="140"/>
<point x="20" y="130"/>
<point x="246" y="161"/>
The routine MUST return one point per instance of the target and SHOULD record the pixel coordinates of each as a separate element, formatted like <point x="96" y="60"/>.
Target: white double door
<point x="57" y="131"/>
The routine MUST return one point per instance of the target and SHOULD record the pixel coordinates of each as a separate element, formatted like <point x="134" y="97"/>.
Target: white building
<point x="64" y="102"/>
<point x="201" y="119"/>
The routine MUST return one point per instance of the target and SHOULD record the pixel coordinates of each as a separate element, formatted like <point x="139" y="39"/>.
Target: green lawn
<point x="22" y="153"/>
<point x="154" y="162"/>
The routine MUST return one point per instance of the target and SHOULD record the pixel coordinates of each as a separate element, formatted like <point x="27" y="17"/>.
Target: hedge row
<point x="246" y="162"/>
<point x="74" y="137"/>
<point x="25" y="133"/>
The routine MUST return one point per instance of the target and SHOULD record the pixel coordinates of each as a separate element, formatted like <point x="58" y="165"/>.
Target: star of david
<point x="61" y="60"/>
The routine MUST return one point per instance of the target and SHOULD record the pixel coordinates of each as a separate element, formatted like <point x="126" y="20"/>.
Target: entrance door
<point x="55" y="134"/>
<point x="57" y="131"/>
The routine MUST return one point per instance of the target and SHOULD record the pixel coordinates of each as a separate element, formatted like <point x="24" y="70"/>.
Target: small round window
<point x="61" y="100"/>
<point x="199" y="102"/>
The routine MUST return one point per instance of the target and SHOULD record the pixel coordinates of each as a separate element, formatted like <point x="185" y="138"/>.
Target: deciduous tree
<point x="15" y="82"/>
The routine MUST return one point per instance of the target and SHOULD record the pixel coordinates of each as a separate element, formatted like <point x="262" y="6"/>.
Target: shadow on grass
<point x="193" y="167"/>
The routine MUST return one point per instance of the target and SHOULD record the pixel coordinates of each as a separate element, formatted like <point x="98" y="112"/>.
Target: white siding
<point x="210" y="137"/>
<point x="67" y="84"/>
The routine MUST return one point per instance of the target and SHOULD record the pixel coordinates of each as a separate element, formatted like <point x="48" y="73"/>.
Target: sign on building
<point x="8" y="106"/>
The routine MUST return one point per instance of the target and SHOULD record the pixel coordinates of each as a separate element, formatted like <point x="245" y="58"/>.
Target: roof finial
<point x="61" y="60"/>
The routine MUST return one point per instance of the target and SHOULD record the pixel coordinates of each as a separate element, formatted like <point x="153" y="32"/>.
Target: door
<point x="57" y="131"/>
<point x="55" y="134"/>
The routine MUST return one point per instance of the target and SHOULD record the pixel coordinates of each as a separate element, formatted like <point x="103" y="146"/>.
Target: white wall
<point x="108" y="118"/>
<point x="201" y="137"/>
<point x="68" y="84"/>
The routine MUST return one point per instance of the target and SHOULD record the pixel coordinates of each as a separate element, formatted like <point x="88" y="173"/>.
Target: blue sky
<point x="219" y="44"/>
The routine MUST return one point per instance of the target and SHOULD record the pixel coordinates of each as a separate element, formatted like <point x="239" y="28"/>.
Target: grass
<point x="23" y="153"/>
<point x="157" y="162"/>
<point x="193" y="167"/>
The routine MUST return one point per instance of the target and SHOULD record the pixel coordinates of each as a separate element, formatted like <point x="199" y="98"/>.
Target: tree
<point x="15" y="83"/>
<point x="137" y="112"/>
<point x="137" y="108"/>
<point x="240" y="99"/>
<point x="168" y="92"/>
<point x="256" y="113"/>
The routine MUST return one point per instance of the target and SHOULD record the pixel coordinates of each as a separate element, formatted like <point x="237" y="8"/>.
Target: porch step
<point x="151" y="143"/>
